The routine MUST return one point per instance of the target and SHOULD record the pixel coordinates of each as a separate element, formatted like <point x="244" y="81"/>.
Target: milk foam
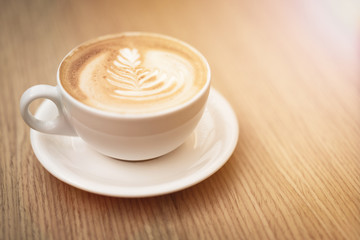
<point x="127" y="78"/>
<point x="160" y="74"/>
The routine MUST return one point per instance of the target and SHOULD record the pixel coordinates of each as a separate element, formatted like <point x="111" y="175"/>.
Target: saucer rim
<point x="158" y="189"/>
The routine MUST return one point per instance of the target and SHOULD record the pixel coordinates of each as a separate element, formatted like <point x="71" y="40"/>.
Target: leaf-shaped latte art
<point x="133" y="81"/>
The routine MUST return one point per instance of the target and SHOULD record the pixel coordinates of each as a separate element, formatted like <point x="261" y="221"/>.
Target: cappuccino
<point x="134" y="73"/>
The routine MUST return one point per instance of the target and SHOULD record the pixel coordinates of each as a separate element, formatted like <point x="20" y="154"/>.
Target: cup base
<point x="208" y="148"/>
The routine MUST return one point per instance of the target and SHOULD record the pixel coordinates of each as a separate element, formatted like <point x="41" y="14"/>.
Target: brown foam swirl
<point x="134" y="73"/>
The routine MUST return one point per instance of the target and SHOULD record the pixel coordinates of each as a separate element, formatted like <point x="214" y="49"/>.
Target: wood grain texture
<point x="290" y="69"/>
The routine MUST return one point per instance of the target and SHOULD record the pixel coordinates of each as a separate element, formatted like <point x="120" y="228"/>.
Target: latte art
<point x="136" y="82"/>
<point x="133" y="73"/>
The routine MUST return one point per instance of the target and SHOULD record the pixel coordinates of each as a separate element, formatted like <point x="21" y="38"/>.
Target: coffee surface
<point x="133" y="73"/>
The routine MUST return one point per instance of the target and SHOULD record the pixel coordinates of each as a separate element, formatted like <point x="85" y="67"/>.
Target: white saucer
<point x="71" y="160"/>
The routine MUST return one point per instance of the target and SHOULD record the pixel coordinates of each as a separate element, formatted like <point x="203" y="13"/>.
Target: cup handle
<point x="60" y="125"/>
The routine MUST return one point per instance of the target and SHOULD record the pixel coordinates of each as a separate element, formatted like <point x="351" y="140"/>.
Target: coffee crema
<point x="133" y="73"/>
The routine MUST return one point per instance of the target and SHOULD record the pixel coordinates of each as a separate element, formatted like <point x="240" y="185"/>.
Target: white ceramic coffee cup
<point x="122" y="136"/>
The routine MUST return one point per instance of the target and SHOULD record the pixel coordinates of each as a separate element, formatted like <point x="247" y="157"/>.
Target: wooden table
<point x="290" y="69"/>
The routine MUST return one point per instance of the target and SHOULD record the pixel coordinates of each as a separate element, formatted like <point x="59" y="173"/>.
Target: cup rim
<point x="161" y="113"/>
